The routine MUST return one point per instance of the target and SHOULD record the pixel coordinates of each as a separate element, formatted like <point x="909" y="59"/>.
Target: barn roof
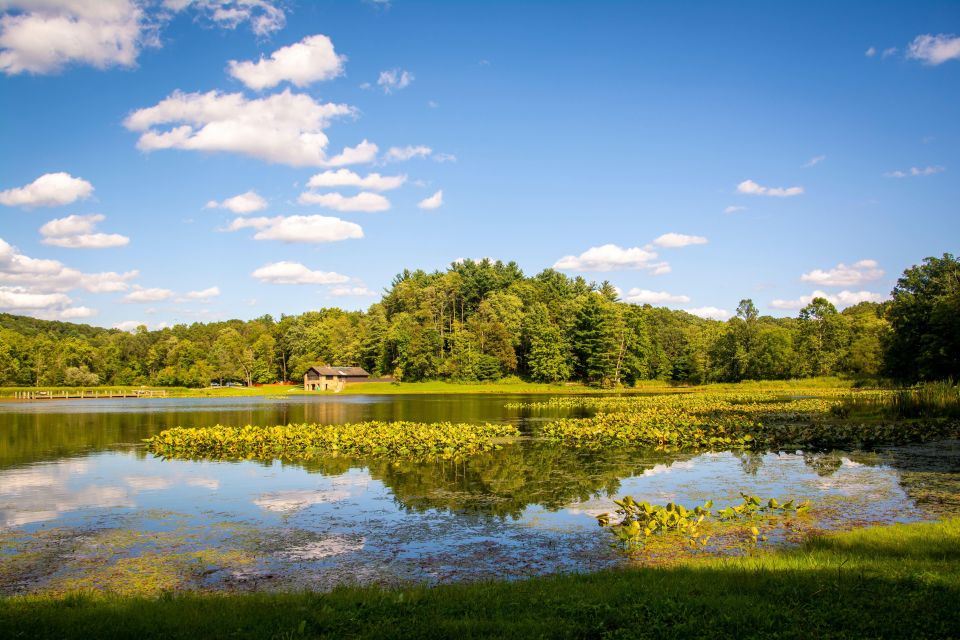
<point x="340" y="371"/>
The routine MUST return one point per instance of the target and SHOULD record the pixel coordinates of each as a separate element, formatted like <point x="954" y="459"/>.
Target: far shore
<point x="437" y="387"/>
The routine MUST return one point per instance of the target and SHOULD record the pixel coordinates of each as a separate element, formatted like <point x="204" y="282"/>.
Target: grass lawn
<point x="896" y="581"/>
<point x="505" y="387"/>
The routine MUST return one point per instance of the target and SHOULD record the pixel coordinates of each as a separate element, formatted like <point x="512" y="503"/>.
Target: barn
<point x="332" y="378"/>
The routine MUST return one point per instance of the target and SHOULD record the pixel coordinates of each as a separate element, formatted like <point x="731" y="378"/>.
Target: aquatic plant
<point x="723" y="421"/>
<point x="638" y="521"/>
<point x="297" y="441"/>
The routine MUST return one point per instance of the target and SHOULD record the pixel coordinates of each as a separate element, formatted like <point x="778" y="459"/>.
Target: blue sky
<point x="691" y="153"/>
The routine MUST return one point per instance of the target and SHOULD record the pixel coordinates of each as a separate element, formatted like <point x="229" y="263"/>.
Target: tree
<point x="925" y="321"/>
<point x="548" y="356"/>
<point x="821" y="329"/>
<point x="594" y="341"/>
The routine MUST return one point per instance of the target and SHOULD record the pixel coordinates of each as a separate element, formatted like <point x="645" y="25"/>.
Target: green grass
<point x="892" y="582"/>
<point x="505" y="387"/>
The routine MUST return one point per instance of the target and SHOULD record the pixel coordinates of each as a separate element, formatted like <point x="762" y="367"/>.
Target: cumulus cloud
<point x="610" y="257"/>
<point x="750" y="187"/>
<point x="263" y="16"/>
<point x="285" y="272"/>
<point x="204" y="294"/>
<point x="712" y="313"/>
<point x="49" y="190"/>
<point x="313" y="229"/>
<point x="646" y="296"/>
<point x="46" y="35"/>
<point x="916" y="171"/>
<point x="402" y="154"/>
<point x="140" y="294"/>
<point x="52" y="276"/>
<point x="78" y="232"/>
<point x="842" y="299"/>
<point x="934" y="49"/>
<point x="363" y="153"/>
<point x="347" y="178"/>
<point x="351" y="291"/>
<point x="845" y="276"/>
<point x="870" y="52"/>
<point x="394" y="80"/>
<point x="677" y="240"/>
<point x="313" y="59"/>
<point x="285" y="128"/>
<point x="129" y="325"/>
<point x="363" y="201"/>
<point x="814" y="161"/>
<point x="734" y="208"/>
<point x="433" y="202"/>
<point x="248" y="202"/>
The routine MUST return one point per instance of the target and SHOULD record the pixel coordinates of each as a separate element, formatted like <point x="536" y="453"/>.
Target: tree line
<point x="486" y="320"/>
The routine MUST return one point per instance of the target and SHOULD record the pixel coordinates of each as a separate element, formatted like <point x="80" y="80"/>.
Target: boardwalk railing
<point x="89" y="394"/>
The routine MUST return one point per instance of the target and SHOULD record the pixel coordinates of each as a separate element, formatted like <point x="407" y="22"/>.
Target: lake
<point x="82" y="504"/>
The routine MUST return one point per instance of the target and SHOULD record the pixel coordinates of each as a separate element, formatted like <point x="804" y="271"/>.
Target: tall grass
<point x="930" y="400"/>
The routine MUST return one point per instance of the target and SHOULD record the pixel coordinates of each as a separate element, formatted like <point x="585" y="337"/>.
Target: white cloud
<point x="870" y="52"/>
<point x="49" y="190"/>
<point x="299" y="228"/>
<point x="74" y="313"/>
<point x="402" y="154"/>
<point x="49" y="306"/>
<point x="734" y="208"/>
<point x="48" y="276"/>
<point x="285" y="272"/>
<point x="285" y="128"/>
<point x="351" y="291"/>
<point x="916" y="171"/>
<point x="347" y="178"/>
<point x="140" y="294"/>
<point x="363" y="153"/>
<point x="248" y="202"/>
<point x="264" y="16"/>
<point x="646" y="296"/>
<point x="841" y="299"/>
<point x="934" y="49"/>
<point x="677" y="240"/>
<point x="129" y="325"/>
<point x="313" y="59"/>
<point x="845" y="276"/>
<point x="610" y="257"/>
<point x="46" y="35"/>
<point x="394" y="80"/>
<point x="78" y="232"/>
<point x="204" y="295"/>
<point x="713" y="313"/>
<point x="814" y="161"/>
<point x="363" y="201"/>
<point x="433" y="202"/>
<point x="444" y="157"/>
<point x="750" y="187"/>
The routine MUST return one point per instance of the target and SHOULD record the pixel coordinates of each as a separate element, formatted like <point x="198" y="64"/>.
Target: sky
<point x="176" y="161"/>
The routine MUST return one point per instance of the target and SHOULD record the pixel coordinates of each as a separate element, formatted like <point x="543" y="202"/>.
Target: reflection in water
<point x="77" y="491"/>
<point x="53" y="429"/>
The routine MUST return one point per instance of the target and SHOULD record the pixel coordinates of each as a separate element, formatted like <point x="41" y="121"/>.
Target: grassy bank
<point x="894" y="581"/>
<point x="505" y="387"/>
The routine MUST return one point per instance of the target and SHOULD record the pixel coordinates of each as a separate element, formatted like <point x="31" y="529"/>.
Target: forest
<point x="479" y="321"/>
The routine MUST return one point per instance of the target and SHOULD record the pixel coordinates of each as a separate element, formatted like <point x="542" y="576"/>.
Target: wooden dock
<point x="92" y="394"/>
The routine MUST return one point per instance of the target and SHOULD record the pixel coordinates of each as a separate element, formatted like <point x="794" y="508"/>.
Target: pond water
<point x="82" y="504"/>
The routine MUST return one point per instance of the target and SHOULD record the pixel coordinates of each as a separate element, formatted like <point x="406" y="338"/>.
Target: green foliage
<point x="756" y="421"/>
<point x="303" y="441"/>
<point x="925" y="321"/>
<point x="480" y="321"/>
<point x="637" y="521"/>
